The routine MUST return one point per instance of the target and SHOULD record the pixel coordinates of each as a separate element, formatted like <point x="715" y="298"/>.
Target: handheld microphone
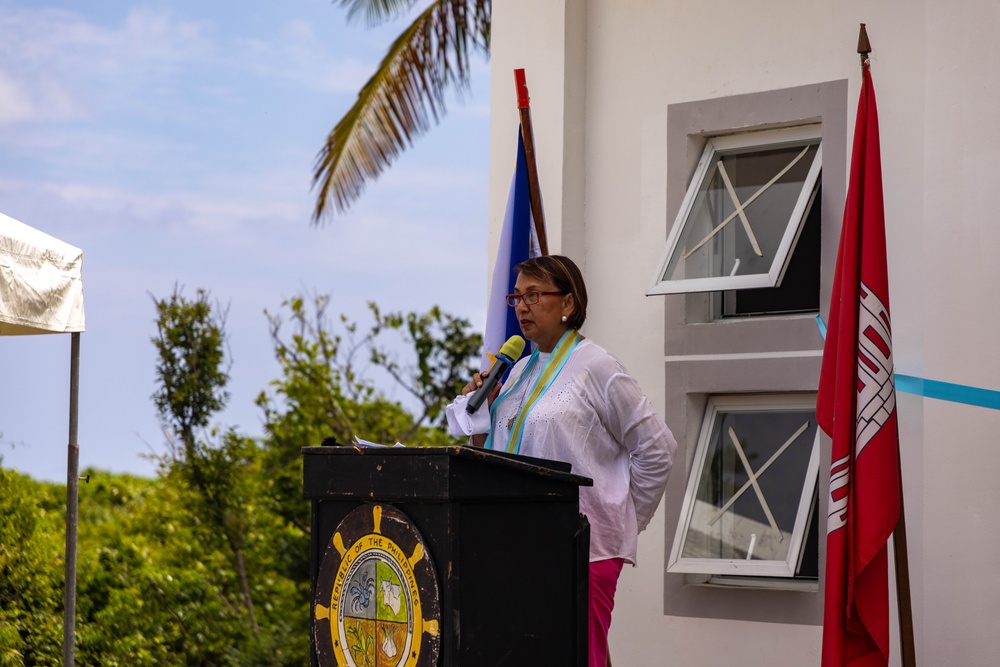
<point x="508" y="354"/>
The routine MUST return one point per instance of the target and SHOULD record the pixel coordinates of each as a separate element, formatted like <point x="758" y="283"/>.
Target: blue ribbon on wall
<point x="944" y="391"/>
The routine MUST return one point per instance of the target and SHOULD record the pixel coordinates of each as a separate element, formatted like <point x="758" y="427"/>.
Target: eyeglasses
<point x="530" y="298"/>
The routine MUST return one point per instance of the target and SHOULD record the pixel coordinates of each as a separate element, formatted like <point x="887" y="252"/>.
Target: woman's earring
<point x="563" y="318"/>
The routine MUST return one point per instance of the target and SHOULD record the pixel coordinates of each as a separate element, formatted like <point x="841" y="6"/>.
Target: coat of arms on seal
<point x="377" y="599"/>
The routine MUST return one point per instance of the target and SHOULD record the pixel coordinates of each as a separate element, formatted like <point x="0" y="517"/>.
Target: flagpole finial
<point x="864" y="46"/>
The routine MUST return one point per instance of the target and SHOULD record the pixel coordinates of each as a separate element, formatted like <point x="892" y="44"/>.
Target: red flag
<point x="856" y="406"/>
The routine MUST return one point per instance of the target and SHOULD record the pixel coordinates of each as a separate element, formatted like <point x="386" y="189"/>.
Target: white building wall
<point x="602" y="74"/>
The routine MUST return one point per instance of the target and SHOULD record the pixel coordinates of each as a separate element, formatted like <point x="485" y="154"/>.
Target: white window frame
<point x="729" y="142"/>
<point x="740" y="567"/>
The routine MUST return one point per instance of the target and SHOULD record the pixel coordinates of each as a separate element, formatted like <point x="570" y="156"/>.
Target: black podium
<point x="451" y="556"/>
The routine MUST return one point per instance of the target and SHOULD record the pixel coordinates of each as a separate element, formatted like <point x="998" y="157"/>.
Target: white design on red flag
<point x="876" y="391"/>
<point x="840" y="479"/>
<point x="876" y="396"/>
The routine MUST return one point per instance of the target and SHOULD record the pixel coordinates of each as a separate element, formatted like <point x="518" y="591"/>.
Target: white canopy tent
<point x="41" y="292"/>
<point x="41" y="282"/>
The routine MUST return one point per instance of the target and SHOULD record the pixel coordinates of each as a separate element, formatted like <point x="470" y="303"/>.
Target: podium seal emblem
<point x="377" y="602"/>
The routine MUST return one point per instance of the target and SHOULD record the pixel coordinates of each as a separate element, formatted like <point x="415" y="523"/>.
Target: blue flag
<point x="518" y="242"/>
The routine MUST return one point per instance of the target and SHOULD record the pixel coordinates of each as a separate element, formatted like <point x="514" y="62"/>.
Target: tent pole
<point x="72" y="486"/>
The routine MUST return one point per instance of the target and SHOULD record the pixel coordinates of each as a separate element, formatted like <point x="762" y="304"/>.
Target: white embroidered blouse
<point x="595" y="417"/>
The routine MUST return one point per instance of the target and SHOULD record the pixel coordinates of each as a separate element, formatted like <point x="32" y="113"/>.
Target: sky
<point x="173" y="141"/>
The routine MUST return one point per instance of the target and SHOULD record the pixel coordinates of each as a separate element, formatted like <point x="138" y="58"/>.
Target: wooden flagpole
<point x="907" y="649"/>
<point x="527" y="136"/>
<point x="904" y="604"/>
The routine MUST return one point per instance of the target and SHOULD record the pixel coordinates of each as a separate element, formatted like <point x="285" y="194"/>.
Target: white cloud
<point x="60" y="64"/>
<point x="64" y="66"/>
<point x="300" y="57"/>
<point x="109" y="209"/>
<point x="156" y="36"/>
<point x="15" y="103"/>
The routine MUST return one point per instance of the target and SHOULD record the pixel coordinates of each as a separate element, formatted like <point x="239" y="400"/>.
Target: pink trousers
<point x="603" y="584"/>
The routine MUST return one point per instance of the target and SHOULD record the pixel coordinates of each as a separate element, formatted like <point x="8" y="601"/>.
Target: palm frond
<point x="397" y="104"/>
<point x="375" y="11"/>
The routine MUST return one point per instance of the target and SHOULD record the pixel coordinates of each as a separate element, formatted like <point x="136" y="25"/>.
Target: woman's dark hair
<point x="562" y="272"/>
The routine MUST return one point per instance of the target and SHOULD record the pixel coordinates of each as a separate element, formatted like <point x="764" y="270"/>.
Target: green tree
<point x="158" y="580"/>
<point x="151" y="591"/>
<point x="189" y="342"/>
<point x="446" y="349"/>
<point x="403" y="95"/>
<point x="191" y="387"/>
<point x="32" y="541"/>
<point x="325" y="389"/>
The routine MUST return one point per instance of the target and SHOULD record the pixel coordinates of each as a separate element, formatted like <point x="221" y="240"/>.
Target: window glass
<point x="742" y="213"/>
<point x="751" y="489"/>
<point x="799" y="288"/>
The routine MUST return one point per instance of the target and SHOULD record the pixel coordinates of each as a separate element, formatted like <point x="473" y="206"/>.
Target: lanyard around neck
<point x="567" y="343"/>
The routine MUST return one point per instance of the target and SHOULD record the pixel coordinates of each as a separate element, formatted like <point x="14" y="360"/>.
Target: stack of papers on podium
<point x="364" y="443"/>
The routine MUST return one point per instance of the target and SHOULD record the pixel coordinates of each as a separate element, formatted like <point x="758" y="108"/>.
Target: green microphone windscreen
<point x="513" y="348"/>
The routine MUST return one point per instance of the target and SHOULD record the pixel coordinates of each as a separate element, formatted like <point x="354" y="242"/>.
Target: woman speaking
<point x="572" y="401"/>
